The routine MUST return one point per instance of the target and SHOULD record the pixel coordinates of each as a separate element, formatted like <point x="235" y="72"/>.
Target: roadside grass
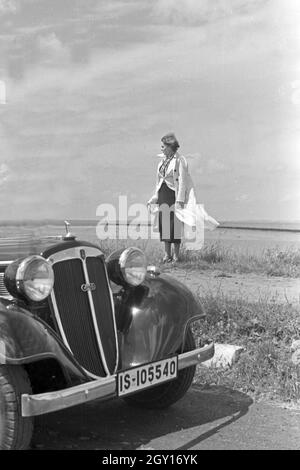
<point x="271" y="261"/>
<point x="214" y="256"/>
<point x="265" y="330"/>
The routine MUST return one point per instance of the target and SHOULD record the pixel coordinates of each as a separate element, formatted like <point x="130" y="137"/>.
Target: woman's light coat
<point x="193" y="215"/>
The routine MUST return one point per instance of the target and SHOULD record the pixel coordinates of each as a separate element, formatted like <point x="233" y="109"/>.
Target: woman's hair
<point x="171" y="140"/>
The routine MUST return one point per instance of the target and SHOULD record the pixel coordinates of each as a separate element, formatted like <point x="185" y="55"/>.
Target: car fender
<point x="25" y="338"/>
<point x="153" y="319"/>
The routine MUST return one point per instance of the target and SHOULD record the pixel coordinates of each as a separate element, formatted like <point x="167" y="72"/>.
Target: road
<point x="212" y="418"/>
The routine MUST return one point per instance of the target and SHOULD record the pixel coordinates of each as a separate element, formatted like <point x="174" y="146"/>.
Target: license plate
<point x="147" y="375"/>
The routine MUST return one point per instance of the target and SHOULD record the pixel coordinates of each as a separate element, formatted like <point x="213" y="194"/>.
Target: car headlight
<point x="127" y="267"/>
<point x="31" y="277"/>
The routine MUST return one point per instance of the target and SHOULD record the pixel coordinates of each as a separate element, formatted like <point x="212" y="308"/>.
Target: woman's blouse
<point x="166" y="170"/>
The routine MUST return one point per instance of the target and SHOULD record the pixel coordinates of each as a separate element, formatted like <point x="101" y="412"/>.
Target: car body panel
<point x="154" y="317"/>
<point x="25" y="338"/>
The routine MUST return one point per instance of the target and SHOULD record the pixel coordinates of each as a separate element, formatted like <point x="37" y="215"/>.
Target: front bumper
<point x="100" y="389"/>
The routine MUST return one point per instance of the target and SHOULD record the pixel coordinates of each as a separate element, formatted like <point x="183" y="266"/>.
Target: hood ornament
<point x="69" y="235"/>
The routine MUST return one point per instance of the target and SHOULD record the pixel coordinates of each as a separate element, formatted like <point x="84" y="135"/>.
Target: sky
<point x="93" y="85"/>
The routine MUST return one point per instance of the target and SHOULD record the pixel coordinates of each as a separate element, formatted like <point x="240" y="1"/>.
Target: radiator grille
<point x="3" y="290"/>
<point x="103" y="309"/>
<point x="75" y="315"/>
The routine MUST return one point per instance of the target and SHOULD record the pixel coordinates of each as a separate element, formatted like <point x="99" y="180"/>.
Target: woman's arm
<point x="182" y="180"/>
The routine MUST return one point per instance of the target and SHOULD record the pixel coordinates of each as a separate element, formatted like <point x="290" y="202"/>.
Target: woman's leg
<point x="168" y="254"/>
<point x="176" y="251"/>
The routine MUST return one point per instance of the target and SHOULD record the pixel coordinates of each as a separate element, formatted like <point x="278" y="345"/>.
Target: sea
<point x="246" y="236"/>
<point x="256" y="236"/>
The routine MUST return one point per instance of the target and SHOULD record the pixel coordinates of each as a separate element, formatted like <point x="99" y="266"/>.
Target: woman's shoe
<point x="167" y="259"/>
<point x="175" y="259"/>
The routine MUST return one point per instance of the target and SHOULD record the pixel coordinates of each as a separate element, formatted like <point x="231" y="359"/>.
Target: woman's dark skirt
<point x="169" y="225"/>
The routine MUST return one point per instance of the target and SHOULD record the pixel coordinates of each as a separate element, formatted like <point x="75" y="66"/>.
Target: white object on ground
<point x="225" y="355"/>
<point x="295" y="349"/>
<point x="296" y="357"/>
<point x="295" y="345"/>
<point x="2" y="352"/>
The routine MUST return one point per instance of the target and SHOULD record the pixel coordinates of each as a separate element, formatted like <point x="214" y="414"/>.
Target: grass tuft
<point x="265" y="331"/>
<point x="271" y="261"/>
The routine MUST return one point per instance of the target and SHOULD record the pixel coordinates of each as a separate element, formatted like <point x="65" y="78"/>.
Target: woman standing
<point x="170" y="193"/>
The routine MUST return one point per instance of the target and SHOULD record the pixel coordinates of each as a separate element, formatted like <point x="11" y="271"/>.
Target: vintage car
<point x="66" y="338"/>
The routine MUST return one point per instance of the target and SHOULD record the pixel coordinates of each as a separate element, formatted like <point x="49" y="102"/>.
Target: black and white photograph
<point x="149" y="227"/>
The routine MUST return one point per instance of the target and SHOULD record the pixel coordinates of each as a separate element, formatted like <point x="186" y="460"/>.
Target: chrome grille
<point x="103" y="308"/>
<point x="3" y="290"/>
<point x="75" y="314"/>
<point x="85" y="319"/>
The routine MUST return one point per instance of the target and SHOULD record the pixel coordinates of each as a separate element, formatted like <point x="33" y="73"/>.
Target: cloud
<point x="295" y="96"/>
<point x="7" y="151"/>
<point x="4" y="173"/>
<point x="208" y="166"/>
<point x="243" y="197"/>
<point x="75" y="127"/>
<point x="195" y="12"/>
<point x="291" y="196"/>
<point x="51" y="47"/>
<point x="144" y="65"/>
<point x="215" y="166"/>
<point x="8" y="7"/>
<point x="2" y="92"/>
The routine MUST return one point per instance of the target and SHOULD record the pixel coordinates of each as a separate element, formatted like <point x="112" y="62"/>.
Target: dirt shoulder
<point x="252" y="287"/>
